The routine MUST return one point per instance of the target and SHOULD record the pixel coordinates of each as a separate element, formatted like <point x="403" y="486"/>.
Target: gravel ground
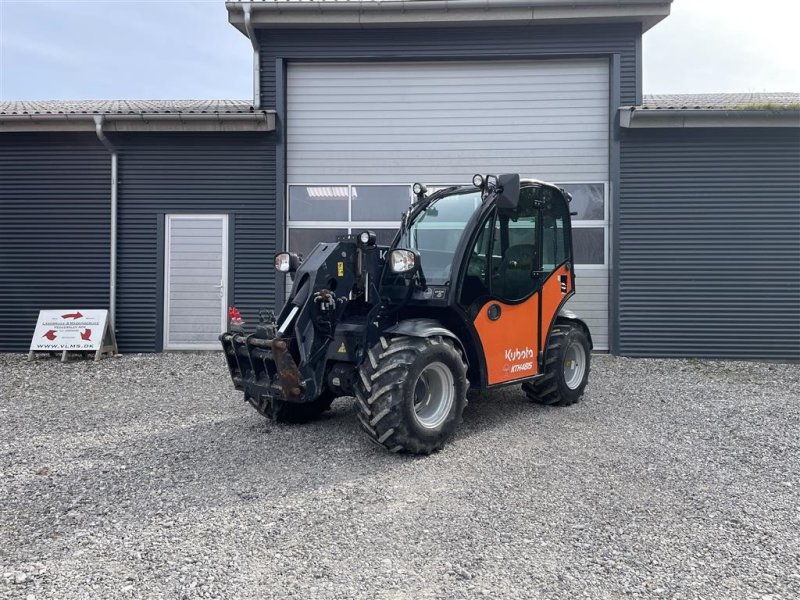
<point x="148" y="476"/>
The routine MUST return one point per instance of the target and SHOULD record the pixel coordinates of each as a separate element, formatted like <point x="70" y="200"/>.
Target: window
<point x="554" y="234"/>
<point x="320" y="212"/>
<point x="436" y="232"/>
<point x="590" y="224"/>
<point x="515" y="266"/>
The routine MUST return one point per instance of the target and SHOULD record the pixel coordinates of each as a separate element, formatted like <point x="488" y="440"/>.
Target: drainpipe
<point x="112" y="285"/>
<point x="251" y="34"/>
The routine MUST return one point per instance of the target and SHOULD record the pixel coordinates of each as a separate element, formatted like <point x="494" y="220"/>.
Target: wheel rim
<point x="434" y="393"/>
<point x="574" y="365"/>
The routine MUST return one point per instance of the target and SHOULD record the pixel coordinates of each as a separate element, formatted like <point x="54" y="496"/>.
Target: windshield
<point x="436" y="231"/>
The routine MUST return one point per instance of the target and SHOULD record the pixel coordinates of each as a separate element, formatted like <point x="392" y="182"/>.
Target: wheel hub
<point x="434" y="394"/>
<point x="574" y="365"/>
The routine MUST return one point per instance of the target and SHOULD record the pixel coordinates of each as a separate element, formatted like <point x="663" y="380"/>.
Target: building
<point x="687" y="230"/>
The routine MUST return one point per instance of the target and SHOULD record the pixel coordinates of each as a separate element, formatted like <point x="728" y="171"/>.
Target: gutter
<point x="632" y="117"/>
<point x="247" y="10"/>
<point x="112" y="280"/>
<point x="258" y="121"/>
<point x="360" y="13"/>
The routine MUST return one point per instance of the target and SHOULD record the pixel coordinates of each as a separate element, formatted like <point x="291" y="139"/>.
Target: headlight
<point x="286" y="262"/>
<point x="477" y="180"/>
<point x="403" y="261"/>
<point x="367" y="238"/>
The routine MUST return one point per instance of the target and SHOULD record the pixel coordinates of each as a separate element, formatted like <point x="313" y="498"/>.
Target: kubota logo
<point x="517" y="354"/>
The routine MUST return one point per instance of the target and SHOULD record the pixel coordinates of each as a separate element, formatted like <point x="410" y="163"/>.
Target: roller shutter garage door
<point x="359" y="134"/>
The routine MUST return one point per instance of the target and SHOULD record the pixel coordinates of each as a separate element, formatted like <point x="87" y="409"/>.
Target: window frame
<point x="349" y="225"/>
<point x="593" y="224"/>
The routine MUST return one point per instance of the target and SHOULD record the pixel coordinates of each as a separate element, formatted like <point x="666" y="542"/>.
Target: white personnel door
<point x="196" y="281"/>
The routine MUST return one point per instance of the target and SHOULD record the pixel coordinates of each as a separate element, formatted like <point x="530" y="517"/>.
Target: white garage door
<point x="359" y="134"/>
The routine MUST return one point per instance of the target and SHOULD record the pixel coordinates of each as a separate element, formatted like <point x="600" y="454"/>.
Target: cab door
<point x="518" y="276"/>
<point x="500" y="291"/>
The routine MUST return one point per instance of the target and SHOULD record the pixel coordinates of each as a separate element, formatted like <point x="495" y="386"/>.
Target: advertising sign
<point x="72" y="331"/>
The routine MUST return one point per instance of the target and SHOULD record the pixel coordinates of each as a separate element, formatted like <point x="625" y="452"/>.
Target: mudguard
<point x="425" y="328"/>
<point x="567" y="316"/>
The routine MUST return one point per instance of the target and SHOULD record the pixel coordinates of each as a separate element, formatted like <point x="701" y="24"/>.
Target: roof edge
<point x="408" y="13"/>
<point x="153" y="122"/>
<point x="632" y="117"/>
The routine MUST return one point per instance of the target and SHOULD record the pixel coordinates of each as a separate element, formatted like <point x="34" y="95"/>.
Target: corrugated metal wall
<point x="451" y="42"/>
<point x="54" y="223"/>
<point x="201" y="173"/>
<point x="54" y="228"/>
<point x="709" y="243"/>
<point x="441" y="122"/>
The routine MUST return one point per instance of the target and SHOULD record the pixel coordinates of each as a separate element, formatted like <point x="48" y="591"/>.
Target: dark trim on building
<point x="639" y="71"/>
<point x="281" y="201"/>
<point x="613" y="217"/>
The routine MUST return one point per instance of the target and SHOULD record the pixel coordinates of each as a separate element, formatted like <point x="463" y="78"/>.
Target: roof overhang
<point x="453" y="13"/>
<point x="632" y="117"/>
<point x="143" y="122"/>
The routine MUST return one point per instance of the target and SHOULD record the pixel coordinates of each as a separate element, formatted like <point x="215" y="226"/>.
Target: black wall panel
<point x="54" y="223"/>
<point x="709" y="243"/>
<point x="54" y="228"/>
<point x="192" y="172"/>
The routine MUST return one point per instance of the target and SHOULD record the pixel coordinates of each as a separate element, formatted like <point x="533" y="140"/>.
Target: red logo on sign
<point x="86" y="334"/>
<point x="76" y="315"/>
<point x="50" y="335"/>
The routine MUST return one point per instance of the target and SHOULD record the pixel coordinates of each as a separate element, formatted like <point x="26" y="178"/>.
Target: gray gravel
<point x="148" y="476"/>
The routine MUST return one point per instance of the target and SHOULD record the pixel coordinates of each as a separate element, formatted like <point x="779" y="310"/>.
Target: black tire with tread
<point x="292" y="412"/>
<point x="385" y="387"/>
<point x="551" y="389"/>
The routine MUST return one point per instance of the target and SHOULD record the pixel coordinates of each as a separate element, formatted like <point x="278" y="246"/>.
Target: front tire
<point x="566" y="370"/>
<point x="411" y="393"/>
<point x="292" y="412"/>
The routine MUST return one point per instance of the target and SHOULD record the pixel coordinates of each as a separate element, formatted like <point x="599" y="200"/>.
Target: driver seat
<point x="515" y="277"/>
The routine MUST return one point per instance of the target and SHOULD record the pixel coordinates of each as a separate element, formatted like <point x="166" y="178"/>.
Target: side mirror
<point x="507" y="197"/>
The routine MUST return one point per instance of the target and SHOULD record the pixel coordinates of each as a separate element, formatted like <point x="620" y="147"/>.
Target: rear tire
<point x="411" y="393"/>
<point x="566" y="370"/>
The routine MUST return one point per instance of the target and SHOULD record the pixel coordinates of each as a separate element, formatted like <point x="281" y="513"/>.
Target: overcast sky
<point x="177" y="49"/>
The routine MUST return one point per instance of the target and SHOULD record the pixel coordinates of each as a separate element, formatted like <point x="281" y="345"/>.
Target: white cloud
<point x="724" y="46"/>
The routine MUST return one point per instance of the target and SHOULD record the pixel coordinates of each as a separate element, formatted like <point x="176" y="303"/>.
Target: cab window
<point x="555" y="240"/>
<point x="504" y="260"/>
<point x="515" y="250"/>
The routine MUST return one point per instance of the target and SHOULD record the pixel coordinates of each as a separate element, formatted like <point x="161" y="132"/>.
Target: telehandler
<point x="470" y="292"/>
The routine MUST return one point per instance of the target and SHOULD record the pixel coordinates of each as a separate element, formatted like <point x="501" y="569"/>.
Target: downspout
<point x="251" y="34"/>
<point x="112" y="285"/>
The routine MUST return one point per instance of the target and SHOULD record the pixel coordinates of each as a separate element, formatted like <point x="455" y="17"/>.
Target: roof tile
<point x="124" y="107"/>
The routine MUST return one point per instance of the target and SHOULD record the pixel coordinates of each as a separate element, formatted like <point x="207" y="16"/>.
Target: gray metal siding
<point x="199" y="173"/>
<point x="54" y="228"/>
<point x="195" y="286"/>
<point x="709" y="243"/>
<point x="441" y="122"/>
<point x="450" y="42"/>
